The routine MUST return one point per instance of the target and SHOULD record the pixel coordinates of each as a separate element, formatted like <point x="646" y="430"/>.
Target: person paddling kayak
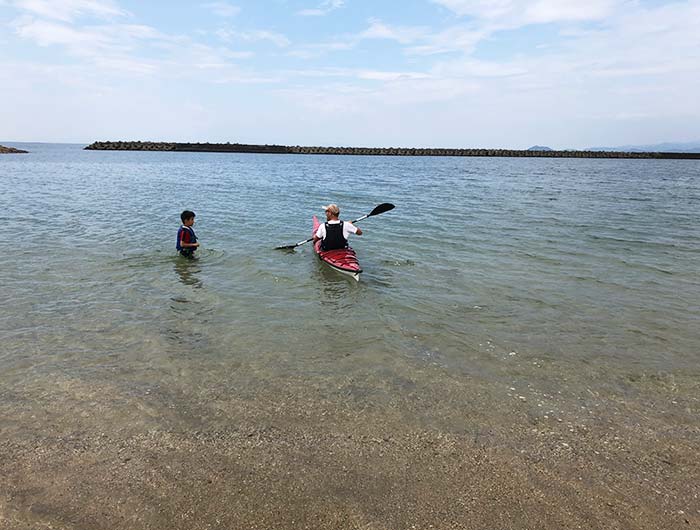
<point x="334" y="233"/>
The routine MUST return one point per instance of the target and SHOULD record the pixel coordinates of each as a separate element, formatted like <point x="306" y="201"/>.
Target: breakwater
<point x="10" y="150"/>
<point x="377" y="151"/>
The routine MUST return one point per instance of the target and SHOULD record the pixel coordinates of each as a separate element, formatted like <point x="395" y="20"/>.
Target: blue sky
<point x="430" y="73"/>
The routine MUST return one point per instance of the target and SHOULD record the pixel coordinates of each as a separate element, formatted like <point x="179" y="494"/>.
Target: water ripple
<point x="578" y="260"/>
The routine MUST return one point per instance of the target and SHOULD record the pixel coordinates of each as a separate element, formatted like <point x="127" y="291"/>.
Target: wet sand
<point x="371" y="451"/>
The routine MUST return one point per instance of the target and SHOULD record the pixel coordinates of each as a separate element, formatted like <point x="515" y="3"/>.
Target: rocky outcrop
<point x="376" y="151"/>
<point x="10" y="150"/>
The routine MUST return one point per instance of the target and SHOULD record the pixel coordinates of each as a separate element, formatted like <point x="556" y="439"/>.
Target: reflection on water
<point x="192" y="309"/>
<point x="188" y="271"/>
<point x="336" y="290"/>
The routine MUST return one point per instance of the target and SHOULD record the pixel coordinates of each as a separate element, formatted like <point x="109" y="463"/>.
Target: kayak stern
<point x="344" y="260"/>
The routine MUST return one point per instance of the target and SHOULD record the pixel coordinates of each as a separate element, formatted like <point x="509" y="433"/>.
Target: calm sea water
<point x="591" y="264"/>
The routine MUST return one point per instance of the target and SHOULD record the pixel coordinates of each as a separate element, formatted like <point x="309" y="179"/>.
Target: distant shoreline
<point x="373" y="151"/>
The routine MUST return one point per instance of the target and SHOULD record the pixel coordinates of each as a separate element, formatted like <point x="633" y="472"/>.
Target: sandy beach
<point x="372" y="452"/>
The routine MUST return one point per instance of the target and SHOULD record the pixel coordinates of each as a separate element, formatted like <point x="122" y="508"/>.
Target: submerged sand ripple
<point x="447" y="453"/>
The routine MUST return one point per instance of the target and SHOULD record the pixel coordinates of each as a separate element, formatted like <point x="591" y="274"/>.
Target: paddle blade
<point x="384" y="207"/>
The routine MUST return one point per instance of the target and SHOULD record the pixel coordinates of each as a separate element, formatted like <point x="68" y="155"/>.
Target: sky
<point x="567" y="74"/>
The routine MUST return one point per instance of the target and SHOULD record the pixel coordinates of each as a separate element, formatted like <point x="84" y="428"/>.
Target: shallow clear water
<point x="592" y="264"/>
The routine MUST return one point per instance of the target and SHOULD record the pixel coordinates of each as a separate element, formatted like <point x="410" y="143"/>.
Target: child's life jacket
<point x="186" y="235"/>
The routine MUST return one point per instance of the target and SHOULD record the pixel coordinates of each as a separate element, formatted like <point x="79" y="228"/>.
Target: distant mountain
<point x="540" y="148"/>
<point x="668" y="147"/>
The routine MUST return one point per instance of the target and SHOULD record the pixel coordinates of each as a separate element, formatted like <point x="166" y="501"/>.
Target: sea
<point x="500" y="270"/>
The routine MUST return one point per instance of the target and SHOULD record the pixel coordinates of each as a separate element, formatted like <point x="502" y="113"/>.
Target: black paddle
<point x="384" y="207"/>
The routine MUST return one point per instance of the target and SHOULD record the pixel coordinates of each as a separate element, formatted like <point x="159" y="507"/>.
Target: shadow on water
<point x="188" y="271"/>
<point x="336" y="289"/>
<point x="192" y="312"/>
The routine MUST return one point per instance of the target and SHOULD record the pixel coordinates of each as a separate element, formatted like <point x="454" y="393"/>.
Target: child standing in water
<point x="186" y="238"/>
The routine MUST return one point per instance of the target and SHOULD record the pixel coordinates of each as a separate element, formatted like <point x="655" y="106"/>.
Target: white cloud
<point x="125" y="65"/>
<point x="310" y="51"/>
<point x="543" y="11"/>
<point x="373" y="75"/>
<point x="473" y="68"/>
<point x="424" y="41"/>
<point x="403" y="35"/>
<point x="69" y="10"/>
<point x="326" y="7"/>
<point x="222" y="9"/>
<point x="348" y="98"/>
<point x="354" y="73"/>
<point x="522" y="12"/>
<point x="311" y="13"/>
<point x="455" y="39"/>
<point x="277" y="39"/>
<point x="417" y="40"/>
<point x="263" y="35"/>
<point x="88" y="40"/>
<point x="49" y="33"/>
<point x="660" y="42"/>
<point x="122" y="50"/>
<point x="478" y="8"/>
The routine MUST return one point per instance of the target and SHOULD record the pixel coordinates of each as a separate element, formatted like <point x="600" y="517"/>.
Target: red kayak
<point x="343" y="259"/>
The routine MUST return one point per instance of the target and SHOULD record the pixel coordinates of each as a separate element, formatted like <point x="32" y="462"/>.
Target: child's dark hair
<point x="186" y="215"/>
